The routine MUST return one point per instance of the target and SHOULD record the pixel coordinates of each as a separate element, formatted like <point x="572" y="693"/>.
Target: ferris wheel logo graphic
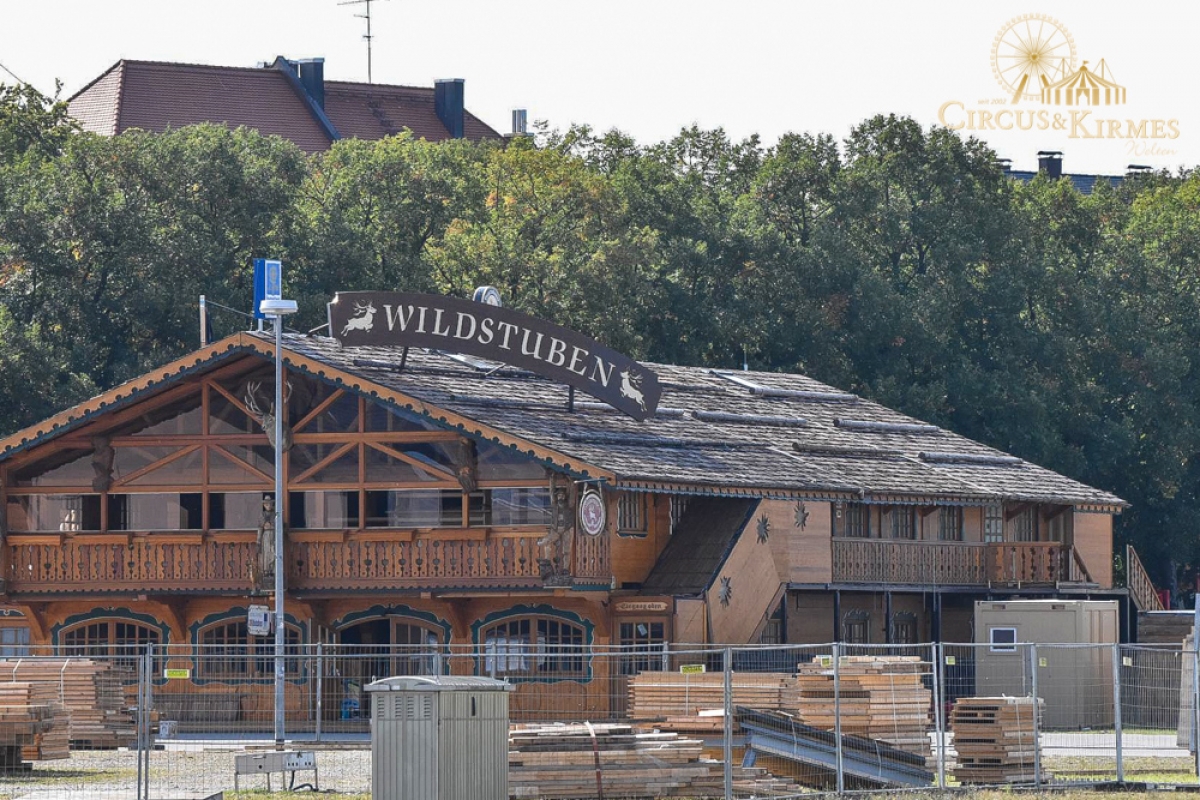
<point x="1031" y="53"/>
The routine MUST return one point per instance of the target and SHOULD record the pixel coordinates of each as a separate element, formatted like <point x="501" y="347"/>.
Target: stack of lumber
<point x="33" y="724"/>
<point x="560" y="761"/>
<point x="92" y="692"/>
<point x="995" y="738"/>
<point x="694" y="702"/>
<point x="879" y="697"/>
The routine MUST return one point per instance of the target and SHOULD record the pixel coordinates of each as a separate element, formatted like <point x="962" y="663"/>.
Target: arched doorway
<point x="381" y="643"/>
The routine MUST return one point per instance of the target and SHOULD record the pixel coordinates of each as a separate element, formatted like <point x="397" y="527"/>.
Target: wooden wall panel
<point x="691" y="621"/>
<point x="801" y="555"/>
<point x="810" y="618"/>
<point x="972" y="524"/>
<point x="754" y="580"/>
<point x="1093" y="542"/>
<point x="634" y="556"/>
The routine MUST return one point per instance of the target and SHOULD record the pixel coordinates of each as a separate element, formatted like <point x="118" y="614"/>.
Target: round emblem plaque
<point x="592" y="514"/>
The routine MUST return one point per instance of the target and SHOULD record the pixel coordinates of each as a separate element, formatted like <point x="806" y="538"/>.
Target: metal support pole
<point x="280" y="500"/>
<point x="320" y="688"/>
<point x="939" y="712"/>
<point x="666" y="657"/>
<point x="1037" y="749"/>
<point x="1116" y="665"/>
<point x="837" y="717"/>
<point x="203" y="321"/>
<point x="728" y="724"/>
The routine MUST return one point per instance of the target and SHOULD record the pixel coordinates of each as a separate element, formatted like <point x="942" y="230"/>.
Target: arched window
<point x="226" y="650"/>
<point x="121" y="640"/>
<point x="535" y="647"/>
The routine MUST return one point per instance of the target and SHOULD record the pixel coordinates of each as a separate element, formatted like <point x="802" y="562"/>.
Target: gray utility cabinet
<point x="439" y="738"/>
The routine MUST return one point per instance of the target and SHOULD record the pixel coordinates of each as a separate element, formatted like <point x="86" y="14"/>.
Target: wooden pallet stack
<point x="879" y="697"/>
<point x="560" y="761"/>
<point x="33" y="724"/>
<point x="995" y="738"/>
<point x="92" y="692"/>
<point x="694" y="702"/>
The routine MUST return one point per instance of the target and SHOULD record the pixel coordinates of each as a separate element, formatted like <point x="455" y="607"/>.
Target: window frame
<point x="1002" y="647"/>
<point x="255" y="652"/>
<point x="633" y="514"/>
<point x="855" y="519"/>
<point x="545" y="659"/>
<point x="950" y="517"/>
<point x="641" y="652"/>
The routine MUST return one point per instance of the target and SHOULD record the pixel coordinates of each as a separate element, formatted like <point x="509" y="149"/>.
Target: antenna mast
<point x="368" y="36"/>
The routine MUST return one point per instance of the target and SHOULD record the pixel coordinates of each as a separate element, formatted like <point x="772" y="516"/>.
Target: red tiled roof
<point x="372" y="111"/>
<point x="98" y="105"/>
<point x="156" y="95"/>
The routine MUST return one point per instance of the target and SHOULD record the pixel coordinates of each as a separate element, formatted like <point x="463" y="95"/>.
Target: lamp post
<point x="278" y="308"/>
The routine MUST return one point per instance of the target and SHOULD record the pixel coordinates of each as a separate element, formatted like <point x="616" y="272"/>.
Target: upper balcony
<point x="196" y="562"/>
<point x="925" y="563"/>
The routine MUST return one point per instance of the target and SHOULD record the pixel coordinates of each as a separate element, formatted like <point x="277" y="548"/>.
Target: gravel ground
<point x="178" y="769"/>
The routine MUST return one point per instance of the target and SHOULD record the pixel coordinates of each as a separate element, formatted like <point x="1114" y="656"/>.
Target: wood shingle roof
<point x="748" y="434"/>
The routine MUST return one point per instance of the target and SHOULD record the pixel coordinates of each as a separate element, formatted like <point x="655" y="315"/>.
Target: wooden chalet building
<point x="432" y="500"/>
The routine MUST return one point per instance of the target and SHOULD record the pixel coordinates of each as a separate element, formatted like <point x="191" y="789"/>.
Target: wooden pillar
<point x="887" y="616"/>
<point x="837" y="615"/>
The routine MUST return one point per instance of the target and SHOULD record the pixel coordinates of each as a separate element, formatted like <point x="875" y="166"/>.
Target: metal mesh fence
<point x="692" y="721"/>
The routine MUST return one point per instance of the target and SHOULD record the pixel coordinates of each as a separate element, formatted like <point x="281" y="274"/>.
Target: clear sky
<point x="650" y="67"/>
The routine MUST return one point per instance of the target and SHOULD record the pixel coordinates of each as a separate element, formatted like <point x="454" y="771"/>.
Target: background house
<point x="286" y="98"/>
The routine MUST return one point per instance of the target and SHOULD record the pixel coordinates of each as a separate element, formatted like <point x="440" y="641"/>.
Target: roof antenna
<point x="367" y="36"/>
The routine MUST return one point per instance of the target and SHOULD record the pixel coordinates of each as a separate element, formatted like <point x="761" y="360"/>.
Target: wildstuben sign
<point x="497" y="334"/>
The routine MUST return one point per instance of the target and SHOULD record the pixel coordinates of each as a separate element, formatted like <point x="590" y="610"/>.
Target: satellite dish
<point x="488" y="295"/>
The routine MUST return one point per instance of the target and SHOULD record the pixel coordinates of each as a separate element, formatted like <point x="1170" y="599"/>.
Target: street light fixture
<point x="278" y="308"/>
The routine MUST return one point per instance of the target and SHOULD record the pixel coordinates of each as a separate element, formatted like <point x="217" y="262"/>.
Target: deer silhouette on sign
<point x="363" y="319"/>
<point x="631" y="388"/>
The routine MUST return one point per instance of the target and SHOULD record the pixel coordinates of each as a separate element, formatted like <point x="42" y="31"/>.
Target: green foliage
<point x="901" y="263"/>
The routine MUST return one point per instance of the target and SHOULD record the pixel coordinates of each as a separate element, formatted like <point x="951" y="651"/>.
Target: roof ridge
<point x="122" y="72"/>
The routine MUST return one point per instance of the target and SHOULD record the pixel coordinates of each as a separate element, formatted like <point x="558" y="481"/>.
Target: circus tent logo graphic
<point x="1047" y="86"/>
<point x="1034" y="58"/>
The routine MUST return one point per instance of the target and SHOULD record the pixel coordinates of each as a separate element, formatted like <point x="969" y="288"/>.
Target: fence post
<point x="1195" y="720"/>
<point x="837" y="718"/>
<point x="141" y="715"/>
<point x="939" y="711"/>
<point x="728" y="726"/>
<point x="666" y="657"/>
<point x="320" y="690"/>
<point x="1037" y="747"/>
<point x="1116" y="665"/>
<point x="144" y="704"/>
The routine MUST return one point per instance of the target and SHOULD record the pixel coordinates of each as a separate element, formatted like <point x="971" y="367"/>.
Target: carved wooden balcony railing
<point x="396" y="560"/>
<point x="124" y="562"/>
<point x="888" y="561"/>
<point x="316" y="560"/>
